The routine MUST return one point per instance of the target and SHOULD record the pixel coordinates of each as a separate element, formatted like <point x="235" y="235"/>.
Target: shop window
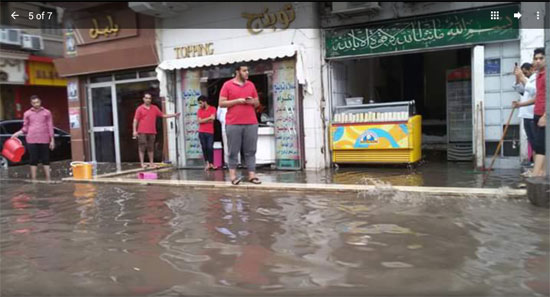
<point x="490" y="148"/>
<point x="512" y="133"/>
<point x="510" y="146"/>
<point x="101" y="78"/>
<point x="126" y="75"/>
<point x="147" y="73"/>
<point x="50" y="24"/>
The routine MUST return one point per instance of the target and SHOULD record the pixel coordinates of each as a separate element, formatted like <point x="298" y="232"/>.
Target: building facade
<point x="199" y="55"/>
<point x="109" y="62"/>
<point x="27" y="49"/>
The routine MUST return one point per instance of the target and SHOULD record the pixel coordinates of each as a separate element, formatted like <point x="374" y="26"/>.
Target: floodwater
<point x="106" y="240"/>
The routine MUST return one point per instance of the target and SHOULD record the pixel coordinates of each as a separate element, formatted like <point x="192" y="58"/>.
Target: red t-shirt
<point x="540" y="101"/>
<point x="205" y="113"/>
<point x="241" y="114"/>
<point x="147" y="119"/>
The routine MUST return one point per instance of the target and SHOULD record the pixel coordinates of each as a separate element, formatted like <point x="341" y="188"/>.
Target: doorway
<point x="129" y="98"/>
<point x="113" y="100"/>
<point x="103" y="124"/>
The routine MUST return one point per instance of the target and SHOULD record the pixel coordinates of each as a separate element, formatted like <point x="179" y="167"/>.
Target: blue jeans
<point x="207" y="144"/>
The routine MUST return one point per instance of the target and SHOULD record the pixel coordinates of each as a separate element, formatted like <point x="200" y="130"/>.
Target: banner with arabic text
<point x="468" y="27"/>
<point x="191" y="90"/>
<point x="286" y="114"/>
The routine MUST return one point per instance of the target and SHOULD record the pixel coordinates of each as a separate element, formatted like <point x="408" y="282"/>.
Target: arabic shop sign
<point x="105" y="27"/>
<point x="110" y="30"/>
<point x="196" y="50"/>
<point x="257" y="22"/>
<point x="44" y="74"/>
<point x="443" y="30"/>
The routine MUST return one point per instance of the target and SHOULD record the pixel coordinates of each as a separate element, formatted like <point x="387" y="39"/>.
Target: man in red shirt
<point x="206" y="116"/>
<point x="145" y="128"/>
<point x="241" y="98"/>
<point x="38" y="128"/>
<point x="540" y="117"/>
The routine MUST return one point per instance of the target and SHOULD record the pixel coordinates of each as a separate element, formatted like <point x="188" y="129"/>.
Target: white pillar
<point x="180" y="137"/>
<point x="478" y="92"/>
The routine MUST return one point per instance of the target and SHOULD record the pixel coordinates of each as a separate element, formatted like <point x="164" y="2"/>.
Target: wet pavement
<point x="126" y="240"/>
<point x="431" y="173"/>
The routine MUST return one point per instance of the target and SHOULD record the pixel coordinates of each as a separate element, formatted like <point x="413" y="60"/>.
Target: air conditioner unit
<point x="354" y="7"/>
<point x="10" y="36"/>
<point x="32" y="42"/>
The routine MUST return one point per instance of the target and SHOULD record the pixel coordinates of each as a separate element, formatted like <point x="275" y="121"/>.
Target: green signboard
<point x="469" y="27"/>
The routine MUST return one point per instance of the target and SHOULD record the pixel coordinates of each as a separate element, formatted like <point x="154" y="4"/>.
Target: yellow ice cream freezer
<point x="376" y="133"/>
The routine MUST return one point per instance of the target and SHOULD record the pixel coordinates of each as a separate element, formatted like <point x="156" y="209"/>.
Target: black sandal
<point x="236" y="181"/>
<point x="255" y="180"/>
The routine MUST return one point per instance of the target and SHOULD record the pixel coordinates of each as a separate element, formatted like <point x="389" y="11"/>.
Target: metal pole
<point x="547" y="48"/>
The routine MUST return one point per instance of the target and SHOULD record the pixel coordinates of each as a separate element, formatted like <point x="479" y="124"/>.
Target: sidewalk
<point x="431" y="177"/>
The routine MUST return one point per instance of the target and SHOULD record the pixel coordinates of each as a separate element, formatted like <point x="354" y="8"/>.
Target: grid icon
<point x="495" y="15"/>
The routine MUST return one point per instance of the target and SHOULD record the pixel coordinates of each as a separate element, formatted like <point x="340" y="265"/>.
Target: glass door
<point x="104" y="123"/>
<point x="129" y="98"/>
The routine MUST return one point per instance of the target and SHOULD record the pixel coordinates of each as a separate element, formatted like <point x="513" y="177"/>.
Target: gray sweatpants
<point x="245" y="137"/>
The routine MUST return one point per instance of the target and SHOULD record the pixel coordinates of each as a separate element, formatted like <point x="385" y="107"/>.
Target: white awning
<point x="230" y="58"/>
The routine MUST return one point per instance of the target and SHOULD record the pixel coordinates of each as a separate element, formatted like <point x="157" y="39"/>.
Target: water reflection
<point x="126" y="240"/>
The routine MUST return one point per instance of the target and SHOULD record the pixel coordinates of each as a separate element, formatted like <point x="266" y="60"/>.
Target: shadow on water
<point x="85" y="239"/>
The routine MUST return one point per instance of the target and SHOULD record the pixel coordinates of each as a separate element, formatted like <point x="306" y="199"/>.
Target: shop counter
<point x="265" y="153"/>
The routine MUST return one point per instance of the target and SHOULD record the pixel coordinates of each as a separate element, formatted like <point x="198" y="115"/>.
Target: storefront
<point x="456" y="66"/>
<point x="284" y="66"/>
<point x="109" y="70"/>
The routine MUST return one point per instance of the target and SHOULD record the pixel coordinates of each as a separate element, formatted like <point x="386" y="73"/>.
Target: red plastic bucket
<point x="13" y="150"/>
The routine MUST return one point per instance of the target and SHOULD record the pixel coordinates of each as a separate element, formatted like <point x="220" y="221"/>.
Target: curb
<point x="316" y="188"/>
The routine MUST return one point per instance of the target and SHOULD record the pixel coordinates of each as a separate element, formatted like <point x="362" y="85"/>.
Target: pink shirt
<point x="38" y="125"/>
<point x="241" y="114"/>
<point x="147" y="119"/>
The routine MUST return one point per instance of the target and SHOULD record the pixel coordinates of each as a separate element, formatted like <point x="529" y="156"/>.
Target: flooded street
<point x="432" y="173"/>
<point x="105" y="240"/>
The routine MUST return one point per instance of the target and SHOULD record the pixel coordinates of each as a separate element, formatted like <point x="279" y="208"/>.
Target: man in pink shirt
<point x="38" y="128"/>
<point x="240" y="97"/>
<point x="145" y="128"/>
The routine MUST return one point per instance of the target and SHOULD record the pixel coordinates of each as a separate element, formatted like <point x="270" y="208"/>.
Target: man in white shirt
<point x="220" y="115"/>
<point x="526" y="86"/>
